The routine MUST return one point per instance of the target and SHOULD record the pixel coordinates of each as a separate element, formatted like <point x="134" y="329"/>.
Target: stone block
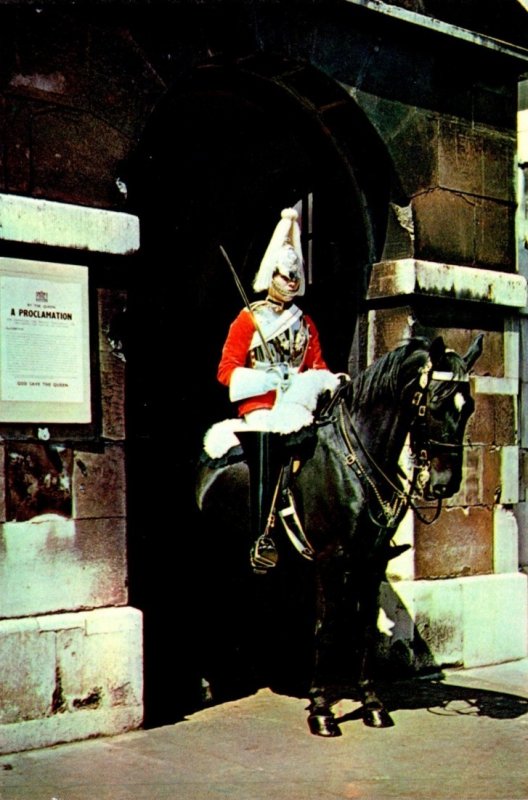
<point x="494" y="234"/>
<point x="480" y="477"/>
<point x="498" y="173"/>
<point x="523" y="431"/>
<point x="112" y="356"/>
<point x="523" y="474"/>
<point x="99" y="483"/>
<point x="3" y="492"/>
<point x="444" y="226"/>
<point x="409" y="277"/>
<point x="470" y="621"/>
<point x="490" y="476"/>
<point x="460" y="157"/>
<point x="494" y="619"/>
<point x="494" y="421"/>
<point x="427" y="618"/>
<point x="28" y="673"/>
<point x="512" y="349"/>
<point x="38" y="478"/>
<point x="37" y="221"/>
<point x="73" y="154"/>
<point x="71" y="659"/>
<point x="101" y="549"/>
<point x="509" y="484"/>
<point x="51" y="564"/>
<point x="475" y="160"/>
<point x="110" y="653"/>
<point x="388" y="328"/>
<point x="16" y="158"/>
<point x="523" y="331"/>
<point x="392" y="326"/>
<point x="459" y="543"/>
<point x="521" y="515"/>
<point x="65" y="682"/>
<point x="505" y="541"/>
<point x="491" y="360"/>
<point x="462" y="229"/>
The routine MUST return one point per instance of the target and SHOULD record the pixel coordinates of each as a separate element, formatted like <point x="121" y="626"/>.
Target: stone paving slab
<point x="463" y="737"/>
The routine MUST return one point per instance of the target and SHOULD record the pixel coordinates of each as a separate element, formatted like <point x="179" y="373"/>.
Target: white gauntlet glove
<point x="246" y="382"/>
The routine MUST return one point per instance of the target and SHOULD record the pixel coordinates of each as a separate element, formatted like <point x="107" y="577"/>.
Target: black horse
<point x="351" y="494"/>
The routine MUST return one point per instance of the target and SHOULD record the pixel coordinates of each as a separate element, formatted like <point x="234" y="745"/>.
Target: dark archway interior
<point x="218" y="162"/>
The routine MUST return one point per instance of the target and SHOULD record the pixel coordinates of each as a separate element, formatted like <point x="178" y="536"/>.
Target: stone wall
<point x="465" y="566"/>
<point x="71" y="646"/>
<point x="454" y="155"/>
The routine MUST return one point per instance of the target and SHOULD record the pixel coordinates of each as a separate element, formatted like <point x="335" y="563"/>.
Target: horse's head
<point x="442" y="404"/>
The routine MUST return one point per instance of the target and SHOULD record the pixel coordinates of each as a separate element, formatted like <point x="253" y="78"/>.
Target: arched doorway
<point x="221" y="156"/>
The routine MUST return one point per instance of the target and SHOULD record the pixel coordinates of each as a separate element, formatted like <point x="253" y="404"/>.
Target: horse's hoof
<point x="377" y="718"/>
<point x="323" y="725"/>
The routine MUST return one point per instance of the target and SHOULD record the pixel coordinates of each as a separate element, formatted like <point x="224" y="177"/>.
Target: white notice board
<point x="44" y="342"/>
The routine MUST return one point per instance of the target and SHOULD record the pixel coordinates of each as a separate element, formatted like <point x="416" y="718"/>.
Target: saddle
<point x="296" y="447"/>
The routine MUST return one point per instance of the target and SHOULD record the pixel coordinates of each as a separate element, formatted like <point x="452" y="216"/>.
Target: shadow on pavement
<point x="445" y="700"/>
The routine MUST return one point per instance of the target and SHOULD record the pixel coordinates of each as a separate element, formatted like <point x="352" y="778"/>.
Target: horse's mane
<point x="379" y="380"/>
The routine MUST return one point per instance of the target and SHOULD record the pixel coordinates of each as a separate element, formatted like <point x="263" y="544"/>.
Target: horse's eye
<point x="435" y="404"/>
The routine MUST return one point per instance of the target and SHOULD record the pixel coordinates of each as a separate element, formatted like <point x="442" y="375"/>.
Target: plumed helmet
<point x="283" y="252"/>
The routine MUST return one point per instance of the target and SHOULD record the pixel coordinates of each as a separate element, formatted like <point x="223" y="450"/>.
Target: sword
<point x="247" y="304"/>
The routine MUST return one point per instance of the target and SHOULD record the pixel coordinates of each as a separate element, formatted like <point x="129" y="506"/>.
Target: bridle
<point x="421" y="440"/>
<point x="394" y="511"/>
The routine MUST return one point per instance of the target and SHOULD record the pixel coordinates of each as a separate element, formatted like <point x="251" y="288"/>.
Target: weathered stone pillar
<point x="457" y="597"/>
<point x="521" y="510"/>
<point x="71" y="646"/>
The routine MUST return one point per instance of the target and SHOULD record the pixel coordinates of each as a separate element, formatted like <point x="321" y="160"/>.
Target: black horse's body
<point x="351" y="498"/>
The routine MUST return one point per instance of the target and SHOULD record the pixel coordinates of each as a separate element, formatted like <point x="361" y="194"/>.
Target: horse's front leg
<point x="330" y="588"/>
<point x="375" y="715"/>
<point x="321" y="719"/>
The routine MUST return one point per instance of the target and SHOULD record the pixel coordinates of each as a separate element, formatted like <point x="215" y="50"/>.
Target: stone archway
<point x="220" y="157"/>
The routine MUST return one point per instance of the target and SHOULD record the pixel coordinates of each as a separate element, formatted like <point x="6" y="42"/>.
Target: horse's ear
<point x="437" y="350"/>
<point x="474" y="352"/>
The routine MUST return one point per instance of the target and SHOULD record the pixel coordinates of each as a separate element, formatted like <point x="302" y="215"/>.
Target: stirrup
<point x="263" y="555"/>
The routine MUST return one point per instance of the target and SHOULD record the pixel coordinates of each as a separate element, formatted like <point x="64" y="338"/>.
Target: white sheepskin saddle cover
<point x="292" y="411"/>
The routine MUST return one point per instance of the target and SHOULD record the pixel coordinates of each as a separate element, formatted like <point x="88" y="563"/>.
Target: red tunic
<point x="235" y="353"/>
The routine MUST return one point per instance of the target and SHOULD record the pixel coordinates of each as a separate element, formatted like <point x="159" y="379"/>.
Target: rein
<point x="394" y="511"/>
<point x="403" y="500"/>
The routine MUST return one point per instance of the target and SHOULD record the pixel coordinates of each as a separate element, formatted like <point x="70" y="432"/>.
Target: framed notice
<point x="44" y="342"/>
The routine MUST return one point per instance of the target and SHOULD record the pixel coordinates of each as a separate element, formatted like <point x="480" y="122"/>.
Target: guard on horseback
<point x="275" y="371"/>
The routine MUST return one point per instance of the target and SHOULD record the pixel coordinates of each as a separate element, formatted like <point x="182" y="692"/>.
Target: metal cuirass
<point x="287" y="347"/>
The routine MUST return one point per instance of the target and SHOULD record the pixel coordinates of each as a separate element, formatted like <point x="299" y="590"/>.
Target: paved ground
<point x="463" y="737"/>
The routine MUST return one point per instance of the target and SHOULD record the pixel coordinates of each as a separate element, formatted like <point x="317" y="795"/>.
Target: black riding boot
<point x="263" y="453"/>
